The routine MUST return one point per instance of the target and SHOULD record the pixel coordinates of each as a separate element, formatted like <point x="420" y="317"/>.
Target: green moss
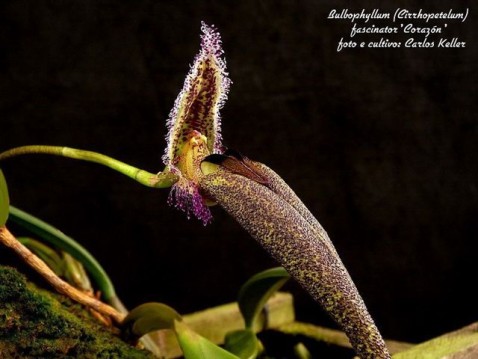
<point x="38" y="324"/>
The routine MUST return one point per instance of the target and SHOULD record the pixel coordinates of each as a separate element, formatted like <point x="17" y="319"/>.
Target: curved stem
<point x="161" y="180"/>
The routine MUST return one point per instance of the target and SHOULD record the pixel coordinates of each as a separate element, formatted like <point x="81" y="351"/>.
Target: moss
<point x="35" y="323"/>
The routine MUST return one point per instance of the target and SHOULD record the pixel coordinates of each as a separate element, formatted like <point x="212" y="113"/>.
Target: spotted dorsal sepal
<point x="198" y="104"/>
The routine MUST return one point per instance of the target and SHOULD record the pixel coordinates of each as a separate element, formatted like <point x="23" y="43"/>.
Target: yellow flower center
<point x="193" y="151"/>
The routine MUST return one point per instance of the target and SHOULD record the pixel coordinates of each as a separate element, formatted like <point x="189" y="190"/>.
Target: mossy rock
<point x="35" y="323"/>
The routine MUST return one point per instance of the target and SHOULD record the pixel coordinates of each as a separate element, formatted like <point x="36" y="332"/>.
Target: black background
<point x="380" y="144"/>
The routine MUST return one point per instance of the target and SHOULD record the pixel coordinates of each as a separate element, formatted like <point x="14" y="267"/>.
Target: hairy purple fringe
<point x="211" y="44"/>
<point x="185" y="196"/>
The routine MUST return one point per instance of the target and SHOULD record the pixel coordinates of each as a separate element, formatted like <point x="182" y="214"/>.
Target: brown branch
<point x="60" y="285"/>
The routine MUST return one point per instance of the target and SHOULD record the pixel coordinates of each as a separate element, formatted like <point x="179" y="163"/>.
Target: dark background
<point x="380" y="144"/>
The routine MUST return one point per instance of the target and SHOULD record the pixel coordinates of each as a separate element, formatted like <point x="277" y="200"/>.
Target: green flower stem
<point x="163" y="179"/>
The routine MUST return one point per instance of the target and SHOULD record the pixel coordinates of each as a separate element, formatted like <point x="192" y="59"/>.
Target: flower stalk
<point x="163" y="179"/>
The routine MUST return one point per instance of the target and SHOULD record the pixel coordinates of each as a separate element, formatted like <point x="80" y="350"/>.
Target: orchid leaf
<point x="148" y="317"/>
<point x="4" y="200"/>
<point x="155" y="316"/>
<point x="243" y="343"/>
<point x="75" y="273"/>
<point x="58" y="239"/>
<point x="302" y="352"/>
<point x="47" y="254"/>
<point x="195" y="346"/>
<point x="257" y="290"/>
<point x="64" y="265"/>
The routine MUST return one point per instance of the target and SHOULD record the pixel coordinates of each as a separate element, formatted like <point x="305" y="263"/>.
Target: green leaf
<point x="243" y="343"/>
<point x="195" y="346"/>
<point x="47" y="254"/>
<point x="75" y="273"/>
<point x="148" y="317"/>
<point x="4" y="200"/>
<point x="58" y="239"/>
<point x="301" y="351"/>
<point x="256" y="292"/>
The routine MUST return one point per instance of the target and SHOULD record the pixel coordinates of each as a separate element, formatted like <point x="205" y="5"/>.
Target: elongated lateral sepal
<point x="282" y="189"/>
<point x="310" y="259"/>
<point x="237" y="165"/>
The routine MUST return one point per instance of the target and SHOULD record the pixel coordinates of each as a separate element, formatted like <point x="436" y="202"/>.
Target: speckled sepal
<point x="301" y="249"/>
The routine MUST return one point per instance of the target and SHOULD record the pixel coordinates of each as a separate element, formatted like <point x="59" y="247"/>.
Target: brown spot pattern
<point x="287" y="230"/>
<point x="199" y="107"/>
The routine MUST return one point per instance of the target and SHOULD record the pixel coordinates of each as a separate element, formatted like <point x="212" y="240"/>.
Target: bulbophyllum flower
<point x="195" y="125"/>
<point x="258" y="198"/>
<point x="202" y="173"/>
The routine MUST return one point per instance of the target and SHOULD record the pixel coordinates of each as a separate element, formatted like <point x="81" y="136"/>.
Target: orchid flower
<point x="257" y="198"/>
<point x="202" y="173"/>
<point x="194" y="124"/>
